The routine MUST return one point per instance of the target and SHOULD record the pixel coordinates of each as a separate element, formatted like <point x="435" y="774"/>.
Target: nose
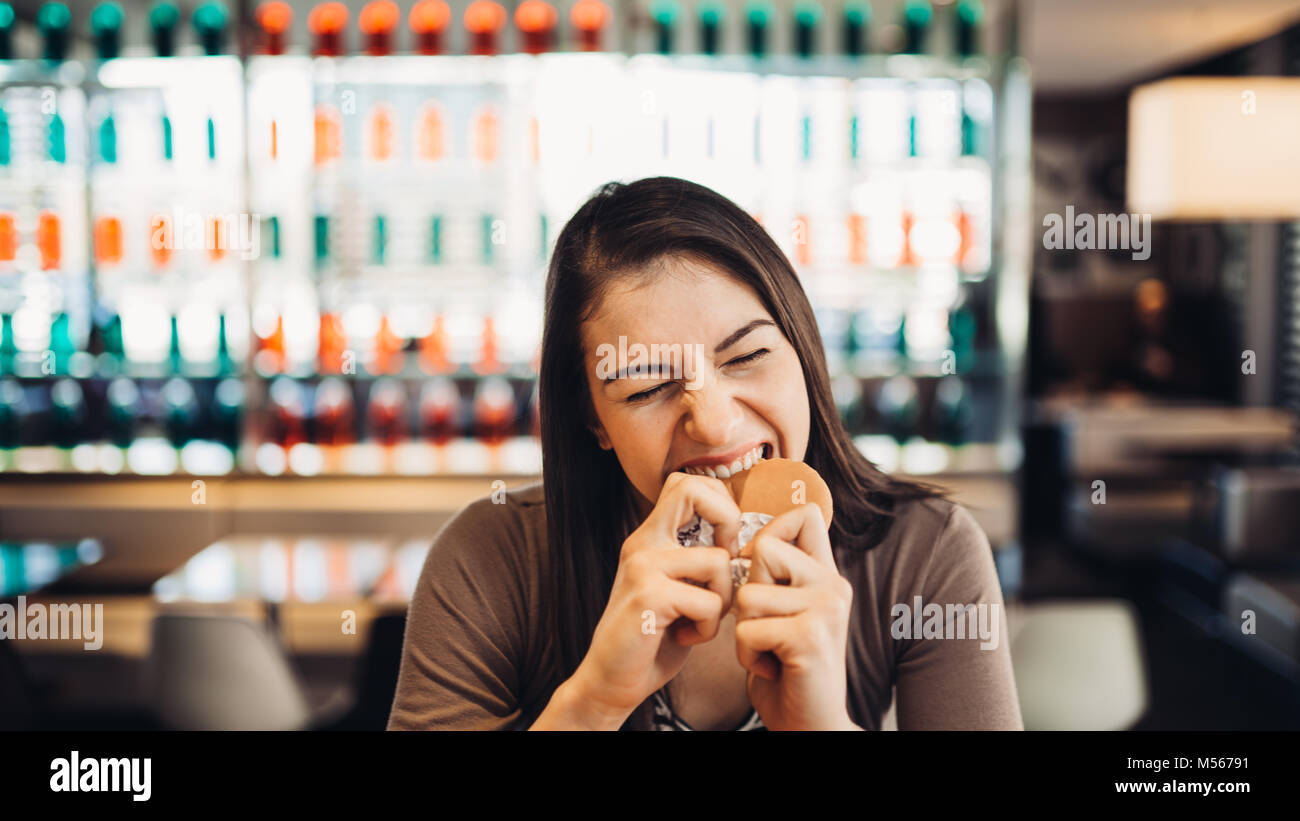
<point x="712" y="413"/>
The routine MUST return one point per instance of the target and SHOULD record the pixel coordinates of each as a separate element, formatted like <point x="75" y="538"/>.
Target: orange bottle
<point x="271" y="348"/>
<point x="48" y="241"/>
<point x="857" y="239"/>
<point x="108" y="240"/>
<point x="381" y="133"/>
<point x="489" y="361"/>
<point x="431" y="137"/>
<point x="333" y="343"/>
<point x="328" y="141"/>
<point x="486" y="135"/>
<point x="388" y="349"/>
<point x="8" y="238"/>
<point x="161" y="240"/>
<point x="433" y="348"/>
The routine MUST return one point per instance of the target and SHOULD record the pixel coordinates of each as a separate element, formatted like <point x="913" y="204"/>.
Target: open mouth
<point x="743" y="463"/>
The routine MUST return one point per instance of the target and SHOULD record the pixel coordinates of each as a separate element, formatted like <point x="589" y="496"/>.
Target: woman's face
<point x="714" y="380"/>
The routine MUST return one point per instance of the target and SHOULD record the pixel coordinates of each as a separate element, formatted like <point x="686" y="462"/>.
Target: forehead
<point x="680" y="301"/>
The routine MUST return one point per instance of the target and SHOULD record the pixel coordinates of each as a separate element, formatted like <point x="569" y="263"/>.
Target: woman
<point x="569" y="604"/>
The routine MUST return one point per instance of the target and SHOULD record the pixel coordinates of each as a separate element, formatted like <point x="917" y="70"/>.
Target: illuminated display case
<point x="333" y="264"/>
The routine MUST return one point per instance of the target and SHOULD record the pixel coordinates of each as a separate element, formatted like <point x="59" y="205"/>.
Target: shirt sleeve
<point x="463" y="649"/>
<point x="964" y="679"/>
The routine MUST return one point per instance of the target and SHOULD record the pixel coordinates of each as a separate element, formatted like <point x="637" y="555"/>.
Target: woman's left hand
<point x="792" y="621"/>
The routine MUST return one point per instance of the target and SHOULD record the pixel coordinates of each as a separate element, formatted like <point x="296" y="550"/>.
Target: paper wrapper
<point x="698" y="532"/>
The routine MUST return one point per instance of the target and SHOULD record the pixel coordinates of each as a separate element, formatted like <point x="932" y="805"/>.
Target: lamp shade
<point x="1211" y="148"/>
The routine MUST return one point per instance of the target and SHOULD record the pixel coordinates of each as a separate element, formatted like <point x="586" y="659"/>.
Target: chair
<point x="218" y="672"/>
<point x="376" y="678"/>
<point x="1079" y="665"/>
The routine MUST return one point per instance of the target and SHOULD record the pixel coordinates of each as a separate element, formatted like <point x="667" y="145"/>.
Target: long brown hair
<point x="619" y="232"/>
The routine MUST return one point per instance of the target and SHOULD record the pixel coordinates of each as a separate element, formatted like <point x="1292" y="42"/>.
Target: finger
<point x="757" y="638"/>
<point x="775" y="561"/>
<point x="758" y="601"/>
<point x="705" y="565"/>
<point x="700" y="607"/>
<point x="804" y="527"/>
<point x="686" y="495"/>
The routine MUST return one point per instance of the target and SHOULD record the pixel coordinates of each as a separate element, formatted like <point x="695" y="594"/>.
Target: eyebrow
<point x="738" y="335"/>
<point x="732" y="339"/>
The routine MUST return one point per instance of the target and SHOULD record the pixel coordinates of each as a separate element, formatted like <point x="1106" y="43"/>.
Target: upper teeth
<point x="727" y="471"/>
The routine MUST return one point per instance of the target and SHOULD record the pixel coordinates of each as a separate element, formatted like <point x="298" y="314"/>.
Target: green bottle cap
<point x="166" y="137"/>
<point x="859" y="13"/>
<point x="758" y="13"/>
<point x="61" y="343"/>
<point x="857" y="16"/>
<point x="225" y="362"/>
<point x="106" y="29"/>
<point x="665" y="11"/>
<point x="916" y="21"/>
<point x="665" y="14"/>
<point x="6" y="31"/>
<point x="380" y="240"/>
<point x="918" y="12"/>
<point x="4" y="138"/>
<point x="321" y="234"/>
<point x="174" y="346"/>
<point x="112" y="335"/>
<point x="711" y="15"/>
<point x="7" y="345"/>
<point x="163" y="20"/>
<point x="58" y="144"/>
<point x="487" y="239"/>
<point x="970" y="15"/>
<point x="55" y="23"/>
<point x="210" y="26"/>
<point x="272" y="229"/>
<point x="807" y="14"/>
<point x="108" y="140"/>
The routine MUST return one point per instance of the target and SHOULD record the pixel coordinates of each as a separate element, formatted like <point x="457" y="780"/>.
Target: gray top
<point x="477" y="654"/>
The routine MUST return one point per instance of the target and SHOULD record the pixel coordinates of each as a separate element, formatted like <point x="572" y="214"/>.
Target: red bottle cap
<point x="484" y="20"/>
<point x="429" y="19"/>
<point x="589" y="18"/>
<point x="274" y="18"/>
<point x="536" y="20"/>
<point x="327" y="21"/>
<point x="377" y="22"/>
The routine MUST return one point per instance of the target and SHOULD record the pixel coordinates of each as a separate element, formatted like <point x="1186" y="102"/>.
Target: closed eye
<point x="752" y="357"/>
<point x="647" y="394"/>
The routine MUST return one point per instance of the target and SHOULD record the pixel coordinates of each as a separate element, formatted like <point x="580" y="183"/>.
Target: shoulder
<point x="505" y="509"/>
<point x="933" y="537"/>
<point x="505" y="525"/>
<point x="938" y="545"/>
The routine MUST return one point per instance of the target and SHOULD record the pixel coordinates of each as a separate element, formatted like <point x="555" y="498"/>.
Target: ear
<point x="601" y="437"/>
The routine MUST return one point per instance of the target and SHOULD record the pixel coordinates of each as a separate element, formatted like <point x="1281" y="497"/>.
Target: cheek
<point x="641" y="438"/>
<point x="786" y="403"/>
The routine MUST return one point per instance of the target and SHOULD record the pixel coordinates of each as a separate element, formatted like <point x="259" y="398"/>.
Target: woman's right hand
<point x="654" y="614"/>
